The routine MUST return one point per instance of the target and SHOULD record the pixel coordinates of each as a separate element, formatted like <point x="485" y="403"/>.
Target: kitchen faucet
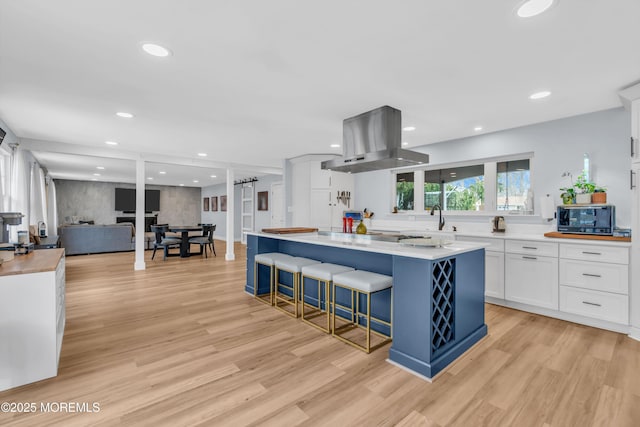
<point x="440" y="220"/>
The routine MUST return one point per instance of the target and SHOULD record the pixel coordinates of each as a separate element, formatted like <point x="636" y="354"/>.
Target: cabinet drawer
<point x="531" y="279"/>
<point x="595" y="275"/>
<point x="599" y="305"/>
<point x="531" y="247"/>
<point x="595" y="253"/>
<point x="496" y="245"/>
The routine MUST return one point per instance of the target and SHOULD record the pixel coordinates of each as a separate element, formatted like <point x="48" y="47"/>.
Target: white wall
<point x="262" y="219"/>
<point x="558" y="146"/>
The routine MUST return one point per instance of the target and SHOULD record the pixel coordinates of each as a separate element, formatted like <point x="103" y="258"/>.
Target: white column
<point x="230" y="256"/>
<point x="139" y="263"/>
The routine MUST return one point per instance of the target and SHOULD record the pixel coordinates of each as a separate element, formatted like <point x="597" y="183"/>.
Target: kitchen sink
<point x="375" y="236"/>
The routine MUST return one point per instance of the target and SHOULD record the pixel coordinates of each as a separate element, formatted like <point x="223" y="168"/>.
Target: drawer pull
<point x="591" y="275"/>
<point x="529" y="257"/>
<point x="529" y="247"/>
<point x="592" y="303"/>
<point x="591" y="253"/>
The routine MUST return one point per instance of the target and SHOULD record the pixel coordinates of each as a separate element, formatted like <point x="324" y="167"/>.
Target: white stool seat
<point x="364" y="281"/>
<point x="324" y="271"/>
<point x="270" y="258"/>
<point x="294" y="264"/>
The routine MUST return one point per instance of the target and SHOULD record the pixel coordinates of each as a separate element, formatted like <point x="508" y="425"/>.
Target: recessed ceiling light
<point x="533" y="7"/>
<point x="405" y="143"/>
<point x="409" y="128"/>
<point x="94" y="179"/>
<point x="335" y="146"/>
<point x="181" y="185"/>
<point x="150" y="178"/>
<point x="111" y="143"/>
<point x="124" y="115"/>
<point x="156" y="49"/>
<point x="100" y="167"/>
<point x="162" y="173"/>
<point x="96" y="174"/>
<point x="202" y="154"/>
<point x="196" y="181"/>
<point x="213" y="176"/>
<point x="540" y="95"/>
<point x="477" y="128"/>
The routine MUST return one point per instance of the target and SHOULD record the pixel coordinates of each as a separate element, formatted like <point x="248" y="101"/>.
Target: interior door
<point x="277" y="205"/>
<point x="247" y="211"/>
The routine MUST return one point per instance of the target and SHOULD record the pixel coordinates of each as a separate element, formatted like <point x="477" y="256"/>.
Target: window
<point x="404" y="191"/>
<point x="513" y="185"/>
<point x="455" y="189"/>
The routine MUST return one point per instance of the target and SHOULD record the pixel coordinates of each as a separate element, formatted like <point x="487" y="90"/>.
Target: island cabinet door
<point x="531" y="279"/>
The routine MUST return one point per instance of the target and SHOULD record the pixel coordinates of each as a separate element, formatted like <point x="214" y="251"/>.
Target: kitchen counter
<point x="438" y="292"/>
<point x="34" y="262"/>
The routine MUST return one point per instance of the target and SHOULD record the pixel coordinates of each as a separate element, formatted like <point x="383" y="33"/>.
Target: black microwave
<point x="587" y="219"/>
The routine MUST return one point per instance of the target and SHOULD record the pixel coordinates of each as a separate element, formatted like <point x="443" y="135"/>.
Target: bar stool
<point x="294" y="266"/>
<point x="322" y="273"/>
<point x="268" y="259"/>
<point x="367" y="283"/>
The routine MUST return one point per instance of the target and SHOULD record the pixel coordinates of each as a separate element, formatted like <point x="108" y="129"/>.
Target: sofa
<point x="93" y="239"/>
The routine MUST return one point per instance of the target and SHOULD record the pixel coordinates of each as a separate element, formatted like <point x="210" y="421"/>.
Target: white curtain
<point x="52" y="209"/>
<point x="38" y="203"/>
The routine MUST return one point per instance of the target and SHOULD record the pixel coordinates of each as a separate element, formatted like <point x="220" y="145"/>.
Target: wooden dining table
<point x="184" y="243"/>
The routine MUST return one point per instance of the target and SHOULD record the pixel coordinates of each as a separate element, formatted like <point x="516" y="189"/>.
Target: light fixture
<point x="196" y="181"/>
<point x="409" y="128"/>
<point x="213" y="176"/>
<point x="202" y="154"/>
<point x="94" y="179"/>
<point x="405" y="143"/>
<point x="477" y="128"/>
<point x="162" y="173"/>
<point x="540" y="95"/>
<point x="533" y="7"/>
<point x="335" y="146"/>
<point x="100" y="167"/>
<point x="181" y="185"/>
<point x="96" y="174"/>
<point x="111" y="143"/>
<point x="150" y="178"/>
<point x="156" y="50"/>
<point x="124" y="115"/>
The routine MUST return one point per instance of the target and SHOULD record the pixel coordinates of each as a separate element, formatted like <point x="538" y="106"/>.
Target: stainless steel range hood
<point x="372" y="141"/>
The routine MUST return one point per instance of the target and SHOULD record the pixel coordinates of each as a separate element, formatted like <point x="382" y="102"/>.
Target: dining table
<point x="184" y="232"/>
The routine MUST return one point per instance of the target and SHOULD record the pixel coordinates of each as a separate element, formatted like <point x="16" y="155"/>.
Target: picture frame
<point x="205" y="204"/>
<point x="263" y="200"/>
<point x="214" y="204"/>
<point x="223" y="203"/>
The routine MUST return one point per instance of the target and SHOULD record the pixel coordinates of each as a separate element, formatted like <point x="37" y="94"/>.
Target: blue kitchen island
<point x="438" y="292"/>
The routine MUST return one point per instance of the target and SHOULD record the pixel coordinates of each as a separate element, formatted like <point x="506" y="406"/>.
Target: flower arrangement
<point x="581" y="191"/>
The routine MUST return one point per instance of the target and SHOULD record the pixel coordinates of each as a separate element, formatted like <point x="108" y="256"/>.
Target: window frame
<point x="490" y="184"/>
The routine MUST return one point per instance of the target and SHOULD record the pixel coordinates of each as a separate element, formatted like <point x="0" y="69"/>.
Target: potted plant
<point x="568" y="195"/>
<point x="599" y="195"/>
<point x="584" y="189"/>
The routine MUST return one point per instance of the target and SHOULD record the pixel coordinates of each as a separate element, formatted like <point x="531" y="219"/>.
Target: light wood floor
<point x="181" y="344"/>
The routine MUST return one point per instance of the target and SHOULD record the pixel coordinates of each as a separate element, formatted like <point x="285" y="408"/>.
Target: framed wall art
<point x="214" y="204"/>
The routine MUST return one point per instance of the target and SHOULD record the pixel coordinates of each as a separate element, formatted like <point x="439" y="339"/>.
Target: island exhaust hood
<point x="372" y="141"/>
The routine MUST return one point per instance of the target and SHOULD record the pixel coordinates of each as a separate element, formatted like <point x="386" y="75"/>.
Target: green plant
<point x="600" y="190"/>
<point x="568" y="195"/>
<point x="583" y="186"/>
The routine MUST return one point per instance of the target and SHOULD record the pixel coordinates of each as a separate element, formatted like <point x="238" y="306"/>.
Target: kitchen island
<point x="438" y="292"/>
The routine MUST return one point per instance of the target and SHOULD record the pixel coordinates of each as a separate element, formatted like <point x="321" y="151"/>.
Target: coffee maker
<point x="7" y="219"/>
<point x="499" y="225"/>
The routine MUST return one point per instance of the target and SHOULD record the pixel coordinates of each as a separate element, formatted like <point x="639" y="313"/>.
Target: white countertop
<point x="450" y="248"/>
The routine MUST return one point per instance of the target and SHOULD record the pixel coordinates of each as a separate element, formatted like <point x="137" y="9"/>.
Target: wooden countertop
<point x="557" y="235"/>
<point x="36" y="262"/>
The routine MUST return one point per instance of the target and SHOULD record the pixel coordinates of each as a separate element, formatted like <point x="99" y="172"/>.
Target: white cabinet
<point x="493" y="264"/>
<point x="594" y="281"/>
<point x="531" y="247"/>
<point x="314" y="195"/>
<point x="532" y="279"/>
<point x="32" y="315"/>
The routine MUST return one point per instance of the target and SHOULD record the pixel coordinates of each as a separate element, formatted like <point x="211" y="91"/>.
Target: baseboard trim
<point x="634" y="333"/>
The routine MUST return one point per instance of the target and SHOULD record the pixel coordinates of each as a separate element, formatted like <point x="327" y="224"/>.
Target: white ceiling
<point x="254" y="82"/>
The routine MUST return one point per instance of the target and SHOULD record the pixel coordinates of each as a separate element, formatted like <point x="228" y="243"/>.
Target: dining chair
<point x="206" y="239"/>
<point x="162" y="241"/>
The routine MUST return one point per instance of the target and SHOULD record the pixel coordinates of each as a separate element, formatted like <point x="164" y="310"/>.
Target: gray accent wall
<point x="92" y="200"/>
<point x="558" y="146"/>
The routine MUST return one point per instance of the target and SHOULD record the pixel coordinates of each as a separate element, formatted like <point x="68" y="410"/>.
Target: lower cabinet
<point x="531" y="279"/>
<point x="600" y="305"/>
<point x="494" y="274"/>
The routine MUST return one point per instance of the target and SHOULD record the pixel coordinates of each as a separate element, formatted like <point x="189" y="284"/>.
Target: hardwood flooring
<point x="182" y="344"/>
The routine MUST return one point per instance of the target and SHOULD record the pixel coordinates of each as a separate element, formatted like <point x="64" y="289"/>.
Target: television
<point x="126" y="200"/>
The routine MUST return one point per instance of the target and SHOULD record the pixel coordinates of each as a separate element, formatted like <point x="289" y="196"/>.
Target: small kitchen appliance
<point x="499" y="225"/>
<point x="591" y="219"/>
